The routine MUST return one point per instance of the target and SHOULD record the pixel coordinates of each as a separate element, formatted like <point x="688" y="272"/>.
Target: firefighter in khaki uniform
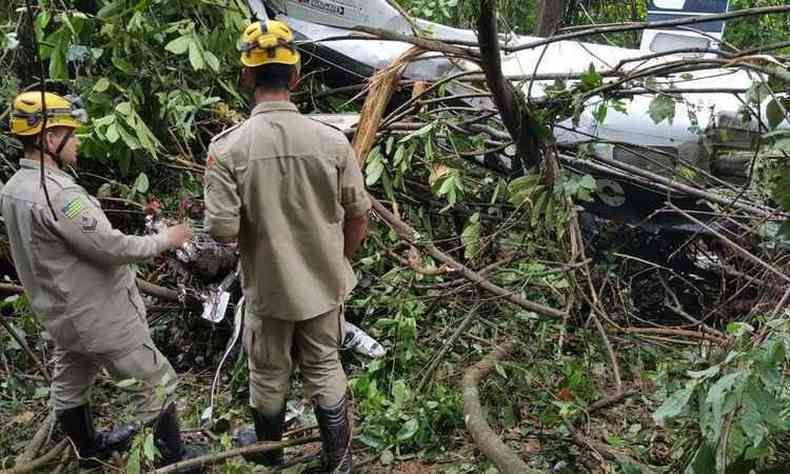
<point x="290" y="190"/>
<point x="74" y="268"/>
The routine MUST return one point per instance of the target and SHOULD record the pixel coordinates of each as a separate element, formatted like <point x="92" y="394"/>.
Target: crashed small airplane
<point x="704" y="101"/>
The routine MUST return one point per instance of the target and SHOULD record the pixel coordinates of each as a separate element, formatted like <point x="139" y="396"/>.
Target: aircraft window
<point x="670" y="4"/>
<point x="667" y="41"/>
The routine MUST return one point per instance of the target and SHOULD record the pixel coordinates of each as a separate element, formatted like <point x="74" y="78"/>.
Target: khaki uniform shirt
<point x="75" y="270"/>
<point x="284" y="184"/>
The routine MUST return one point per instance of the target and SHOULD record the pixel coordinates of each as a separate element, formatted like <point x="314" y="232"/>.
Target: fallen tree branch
<point x="422" y="43"/>
<point x="489" y="443"/>
<point x="515" y="112"/>
<point x="48" y="458"/>
<point x="165" y="293"/>
<point x="380" y="90"/>
<point x="10" y="289"/>
<point x="669" y="183"/>
<point x="677" y="332"/>
<point x="146" y="287"/>
<point x="619" y="28"/>
<point x="363" y="142"/>
<point x="39" y="439"/>
<point x="261" y="447"/>
<point x="408" y="234"/>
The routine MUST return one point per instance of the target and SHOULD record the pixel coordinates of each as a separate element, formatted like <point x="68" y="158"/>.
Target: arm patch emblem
<point x="73" y="208"/>
<point x="88" y="223"/>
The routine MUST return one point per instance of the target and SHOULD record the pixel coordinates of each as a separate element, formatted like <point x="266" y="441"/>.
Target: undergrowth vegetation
<point x="160" y="78"/>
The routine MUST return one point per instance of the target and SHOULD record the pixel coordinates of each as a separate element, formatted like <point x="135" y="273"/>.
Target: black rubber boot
<point x="77" y="424"/>
<point x="167" y="436"/>
<point x="267" y="428"/>
<point x="335" y="431"/>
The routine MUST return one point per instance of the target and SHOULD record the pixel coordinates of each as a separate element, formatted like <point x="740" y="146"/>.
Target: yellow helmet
<point x="268" y="42"/>
<point x="27" y="117"/>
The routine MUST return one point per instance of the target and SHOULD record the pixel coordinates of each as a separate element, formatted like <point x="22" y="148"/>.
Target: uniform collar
<point x="36" y="165"/>
<point x="278" y="106"/>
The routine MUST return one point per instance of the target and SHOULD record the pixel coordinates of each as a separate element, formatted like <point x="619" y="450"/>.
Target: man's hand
<point x="177" y="235"/>
<point x="354" y="229"/>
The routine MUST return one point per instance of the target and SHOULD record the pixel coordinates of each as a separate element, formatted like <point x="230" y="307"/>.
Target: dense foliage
<point x="160" y="78"/>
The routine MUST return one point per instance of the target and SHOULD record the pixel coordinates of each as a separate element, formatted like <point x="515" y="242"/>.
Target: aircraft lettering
<point x="325" y="6"/>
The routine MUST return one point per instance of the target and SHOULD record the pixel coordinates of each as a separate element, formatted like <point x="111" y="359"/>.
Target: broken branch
<point x="486" y="439"/>
<point x="261" y="447"/>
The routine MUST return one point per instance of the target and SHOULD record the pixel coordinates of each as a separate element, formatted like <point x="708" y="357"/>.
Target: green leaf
<point x="752" y="421"/>
<point x="369" y="441"/>
<point x="121" y="64"/>
<point x="408" y="430"/>
<point x="501" y="371"/>
<point x="600" y="112"/>
<point x="704" y="374"/>
<point x="661" y="108"/>
<point x="705" y="461"/>
<point x="104" y="191"/>
<point x="674" y="405"/>
<point x="717" y="397"/>
<point x="195" y="55"/>
<point x="757" y="452"/>
<point x="41" y="392"/>
<point x="418" y="133"/>
<point x="374" y="168"/>
<point x="179" y="45"/>
<point x="112" y="134"/>
<point x="445" y="186"/>
<point x="591" y="79"/>
<point x="774" y="114"/>
<point x="128" y="138"/>
<point x="739" y="329"/>
<point x="470" y="237"/>
<point x="149" y="448"/>
<point x="141" y="183"/>
<point x="400" y="393"/>
<point x="123" y="108"/>
<point x="133" y="463"/>
<point x="101" y="85"/>
<point x="126" y="383"/>
<point x="211" y="60"/>
<point x="57" y="63"/>
<point x="781" y="145"/>
<point x="537" y="209"/>
<point x="781" y="188"/>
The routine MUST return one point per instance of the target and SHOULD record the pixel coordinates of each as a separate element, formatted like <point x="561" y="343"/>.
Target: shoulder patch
<point x="73" y="208"/>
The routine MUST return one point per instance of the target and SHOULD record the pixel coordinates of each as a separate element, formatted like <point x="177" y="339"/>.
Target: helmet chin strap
<point x="56" y="158"/>
<point x="56" y="155"/>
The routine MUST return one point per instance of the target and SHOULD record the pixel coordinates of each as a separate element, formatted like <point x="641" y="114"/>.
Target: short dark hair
<point x="29" y="142"/>
<point x="273" y="76"/>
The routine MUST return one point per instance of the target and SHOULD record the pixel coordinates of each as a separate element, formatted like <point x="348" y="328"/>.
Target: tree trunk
<point x="550" y="17"/>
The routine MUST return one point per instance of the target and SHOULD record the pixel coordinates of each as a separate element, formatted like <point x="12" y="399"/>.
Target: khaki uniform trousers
<point x="75" y="374"/>
<point x="271" y="345"/>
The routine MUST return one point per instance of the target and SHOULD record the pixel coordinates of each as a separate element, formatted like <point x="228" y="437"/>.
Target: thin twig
<point x="448" y="344"/>
<point x="260" y="447"/>
<point x="21" y="341"/>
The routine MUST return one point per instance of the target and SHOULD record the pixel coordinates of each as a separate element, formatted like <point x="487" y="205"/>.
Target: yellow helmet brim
<point x="258" y="57"/>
